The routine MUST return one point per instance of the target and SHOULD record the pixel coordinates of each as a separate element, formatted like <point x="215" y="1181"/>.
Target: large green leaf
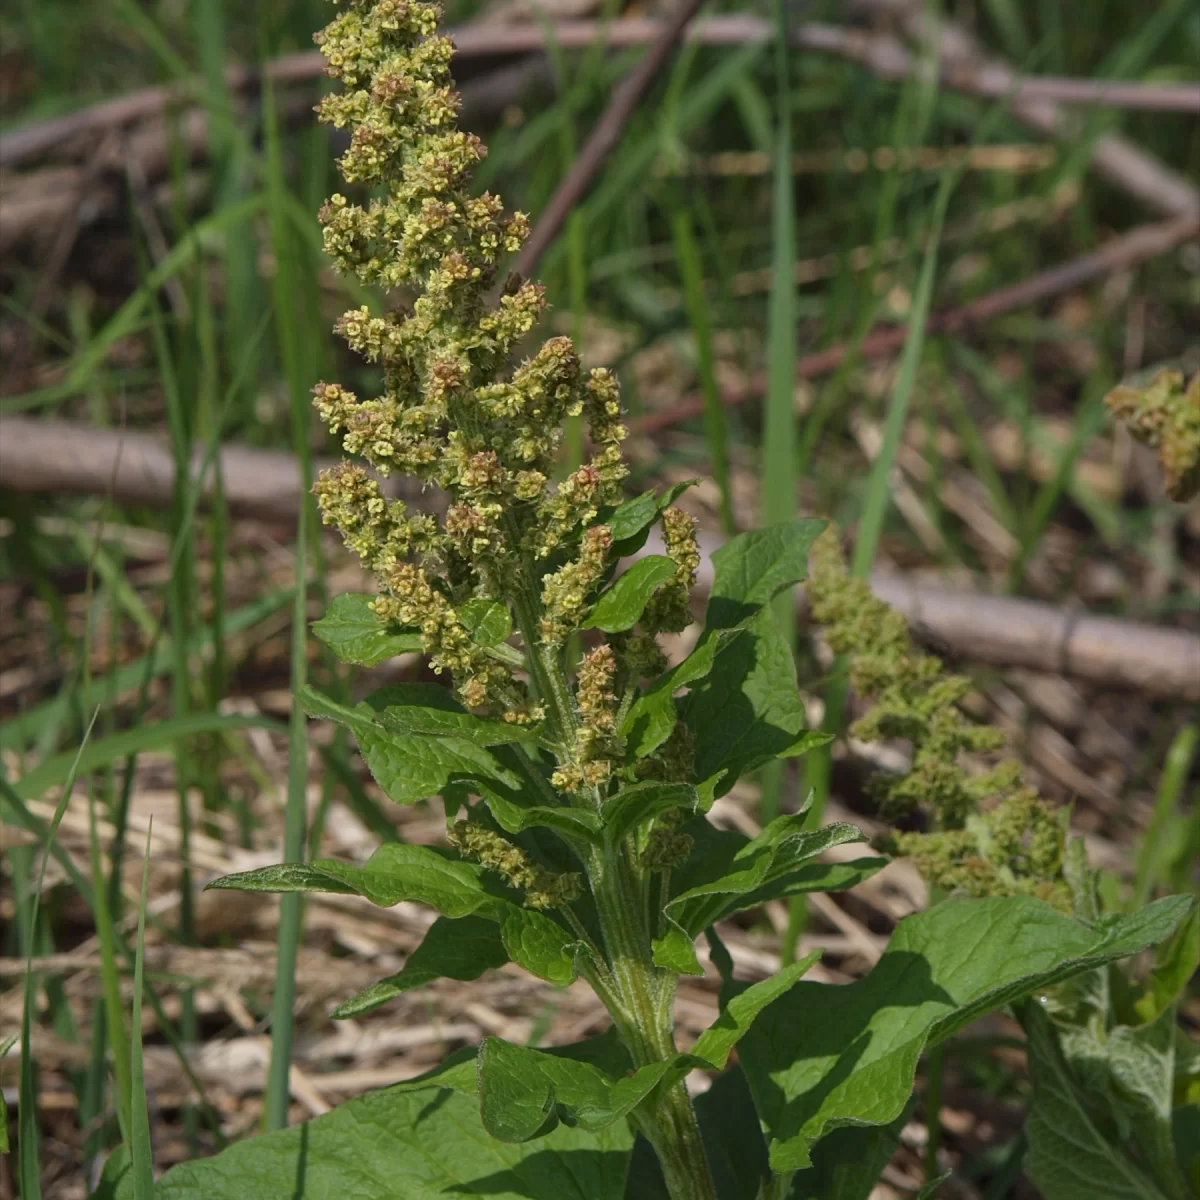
<point x="727" y="872"/>
<point x="1072" y="1154"/>
<point x="462" y="949"/>
<point x="652" y="716"/>
<point x="356" y="635"/>
<point x="429" y="875"/>
<point x="827" y="1056"/>
<point x="540" y="944"/>
<point x="747" y="710"/>
<point x="620" y="606"/>
<point x="395" y="871"/>
<point x="580" y="827"/>
<point x="427" y="708"/>
<point x="753" y="567"/>
<point x="412" y="766"/>
<point x="642" y="802"/>
<point x="848" y="1162"/>
<point x="524" y="1092"/>
<point x="402" y="1145"/>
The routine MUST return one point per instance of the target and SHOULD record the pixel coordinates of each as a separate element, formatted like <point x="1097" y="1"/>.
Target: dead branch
<point x="44" y="455"/>
<point x="1120" y="254"/>
<point x="963" y="67"/>
<point x="603" y="138"/>
<point x="1120" y="161"/>
<point x="41" y="456"/>
<point x="1010" y="632"/>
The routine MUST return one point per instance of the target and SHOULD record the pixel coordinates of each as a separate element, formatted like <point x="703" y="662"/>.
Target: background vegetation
<point x="147" y="650"/>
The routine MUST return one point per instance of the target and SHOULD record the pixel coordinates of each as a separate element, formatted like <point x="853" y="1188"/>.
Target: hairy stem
<point x="646" y="1024"/>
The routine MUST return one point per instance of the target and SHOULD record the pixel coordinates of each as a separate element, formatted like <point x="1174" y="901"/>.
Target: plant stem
<point x="646" y="1024"/>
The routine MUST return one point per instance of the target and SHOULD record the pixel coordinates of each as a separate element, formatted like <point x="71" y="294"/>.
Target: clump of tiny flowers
<point x="464" y="414"/>
<point x="989" y="835"/>
<point x="1165" y="415"/>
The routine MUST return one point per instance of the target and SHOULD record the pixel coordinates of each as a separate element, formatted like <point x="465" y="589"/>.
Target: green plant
<point x="1165" y="414"/>
<point x="576" y="766"/>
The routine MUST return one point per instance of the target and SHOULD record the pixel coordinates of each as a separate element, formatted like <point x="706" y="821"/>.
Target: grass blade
<point x="716" y="429"/>
<point x="291" y="911"/>
<point x="779" y="420"/>
<point x="28" y="1166"/>
<point x="141" y="1156"/>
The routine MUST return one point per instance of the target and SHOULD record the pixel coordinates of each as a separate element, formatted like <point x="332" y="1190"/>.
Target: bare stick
<point x="602" y="139"/>
<point x="881" y="53"/>
<point x="50" y="455"/>
<point x="1119" y="254"/>
<point x="136" y="468"/>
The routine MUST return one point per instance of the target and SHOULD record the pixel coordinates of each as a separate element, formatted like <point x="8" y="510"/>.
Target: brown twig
<point x="1010" y="632"/>
<point x="1117" y="159"/>
<point x="880" y="52"/>
<point x="47" y="455"/>
<point x="136" y="468"/>
<point x="1119" y="254"/>
<point x="602" y="139"/>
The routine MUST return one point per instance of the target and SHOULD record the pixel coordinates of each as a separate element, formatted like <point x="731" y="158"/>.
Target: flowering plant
<point x="577" y="766"/>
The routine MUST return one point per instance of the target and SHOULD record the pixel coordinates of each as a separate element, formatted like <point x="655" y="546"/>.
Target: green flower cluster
<point x="1166" y="416"/>
<point x="990" y="836"/>
<point x="459" y="411"/>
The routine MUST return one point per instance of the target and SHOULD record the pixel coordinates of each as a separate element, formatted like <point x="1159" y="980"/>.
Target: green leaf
<point x="540" y="944"/>
<point x="630" y="522"/>
<point x="396" y="871"/>
<point x="579" y="826"/>
<point x="284" y="877"/>
<point x="357" y="718"/>
<point x="827" y="1055"/>
<point x="411" y="766"/>
<point x="633" y="807"/>
<point x="356" y="635"/>
<point x="652" y="716"/>
<point x="487" y="621"/>
<point x="750" y="569"/>
<point x="741" y="1003"/>
<point x="428" y="708"/>
<point x="747" y="710"/>
<point x="524" y="1092"/>
<point x="1070" y="1156"/>
<point x="1122" y="1076"/>
<point x="1175" y="962"/>
<point x="726" y="873"/>
<point x="848" y="1162"/>
<point x="621" y="605"/>
<point x="396" y="1143"/>
<point x="462" y="949"/>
